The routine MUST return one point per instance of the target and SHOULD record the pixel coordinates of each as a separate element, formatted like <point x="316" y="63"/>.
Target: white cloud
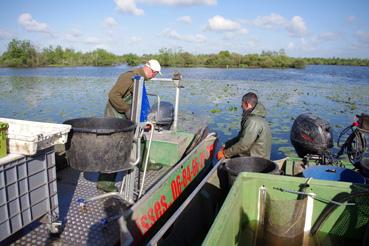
<point x="307" y="45"/>
<point x="297" y="27"/>
<point x="197" y="38"/>
<point x="219" y="23"/>
<point x="362" y="36"/>
<point x="362" y="41"/>
<point x="135" y="39"/>
<point x="5" y="34"/>
<point x="76" y="33"/>
<point x="327" y="36"/>
<point x="76" y="36"/>
<point x="30" y="24"/>
<point x="185" y="19"/>
<point x="270" y="21"/>
<point x="351" y="18"/>
<point x="110" y="22"/>
<point x="128" y="6"/>
<point x="181" y="2"/>
<point x="92" y="40"/>
<point x="234" y="35"/>
<point x="291" y="46"/>
<point x="73" y="36"/>
<point x="312" y="43"/>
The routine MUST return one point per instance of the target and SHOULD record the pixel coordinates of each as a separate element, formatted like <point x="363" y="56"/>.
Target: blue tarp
<point x="145" y="108"/>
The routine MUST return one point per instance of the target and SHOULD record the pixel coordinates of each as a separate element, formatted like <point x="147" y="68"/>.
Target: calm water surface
<point x="336" y="93"/>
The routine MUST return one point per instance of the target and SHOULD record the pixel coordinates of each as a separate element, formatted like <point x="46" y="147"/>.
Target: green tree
<point x="298" y="63"/>
<point x="266" y="62"/>
<point x="131" y="59"/>
<point x="102" y="58"/>
<point x="20" y="54"/>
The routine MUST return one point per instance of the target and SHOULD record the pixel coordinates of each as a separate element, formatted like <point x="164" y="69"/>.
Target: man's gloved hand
<point x="220" y="153"/>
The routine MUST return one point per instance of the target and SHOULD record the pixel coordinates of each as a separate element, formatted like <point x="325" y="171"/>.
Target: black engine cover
<point x="311" y="135"/>
<point x="165" y="117"/>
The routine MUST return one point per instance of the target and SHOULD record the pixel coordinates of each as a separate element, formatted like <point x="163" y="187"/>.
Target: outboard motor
<point x="164" y="118"/>
<point x="311" y="135"/>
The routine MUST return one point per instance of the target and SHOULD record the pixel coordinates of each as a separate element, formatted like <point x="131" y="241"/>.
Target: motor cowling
<point x="311" y="135"/>
<point x="164" y="118"/>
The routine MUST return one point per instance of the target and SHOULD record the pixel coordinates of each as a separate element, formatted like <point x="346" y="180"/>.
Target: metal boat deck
<point x="82" y="226"/>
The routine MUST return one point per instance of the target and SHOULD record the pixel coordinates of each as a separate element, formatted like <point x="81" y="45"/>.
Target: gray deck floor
<point x="81" y="227"/>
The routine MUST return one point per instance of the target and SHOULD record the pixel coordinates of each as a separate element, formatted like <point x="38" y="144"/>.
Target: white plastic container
<point x="27" y="137"/>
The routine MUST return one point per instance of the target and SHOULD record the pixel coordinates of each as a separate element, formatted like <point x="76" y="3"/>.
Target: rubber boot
<point x="106" y="182"/>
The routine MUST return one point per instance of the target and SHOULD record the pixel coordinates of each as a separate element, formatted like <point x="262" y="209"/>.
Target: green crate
<point x="3" y="133"/>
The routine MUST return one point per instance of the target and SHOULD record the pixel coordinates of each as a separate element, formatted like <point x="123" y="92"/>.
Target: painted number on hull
<point x="172" y="189"/>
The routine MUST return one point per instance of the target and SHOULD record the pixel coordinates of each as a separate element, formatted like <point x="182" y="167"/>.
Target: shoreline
<point x="194" y="66"/>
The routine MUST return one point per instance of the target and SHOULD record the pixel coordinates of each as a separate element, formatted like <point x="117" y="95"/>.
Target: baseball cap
<point x="154" y="65"/>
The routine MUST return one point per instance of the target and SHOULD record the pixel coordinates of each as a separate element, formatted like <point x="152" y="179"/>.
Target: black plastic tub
<point x="100" y="144"/>
<point x="230" y="169"/>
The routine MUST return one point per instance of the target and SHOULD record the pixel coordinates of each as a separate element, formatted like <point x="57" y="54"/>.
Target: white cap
<point x="154" y="65"/>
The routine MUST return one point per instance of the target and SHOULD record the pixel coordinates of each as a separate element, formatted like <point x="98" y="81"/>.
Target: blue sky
<point x="303" y="28"/>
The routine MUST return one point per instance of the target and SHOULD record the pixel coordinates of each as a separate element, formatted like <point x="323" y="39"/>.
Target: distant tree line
<point x="22" y="53"/>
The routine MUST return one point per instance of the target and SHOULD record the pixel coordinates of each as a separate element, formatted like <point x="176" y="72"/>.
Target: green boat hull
<point x="261" y="210"/>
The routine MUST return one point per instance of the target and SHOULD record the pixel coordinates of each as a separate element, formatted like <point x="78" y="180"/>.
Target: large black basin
<point x="100" y="144"/>
<point x="229" y="170"/>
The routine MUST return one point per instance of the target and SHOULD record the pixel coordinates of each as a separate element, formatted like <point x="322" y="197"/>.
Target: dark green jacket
<point x="123" y="88"/>
<point x="254" y="138"/>
<point x="120" y="96"/>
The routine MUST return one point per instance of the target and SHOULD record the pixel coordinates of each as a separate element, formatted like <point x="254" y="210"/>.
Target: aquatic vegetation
<point x="232" y="108"/>
<point x="215" y="110"/>
<point x="287" y="151"/>
<point x="279" y="141"/>
<point x="58" y="98"/>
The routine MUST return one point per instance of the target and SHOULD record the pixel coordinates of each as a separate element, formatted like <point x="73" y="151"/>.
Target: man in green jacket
<point x="254" y="137"/>
<point x="119" y="106"/>
<point x="120" y="96"/>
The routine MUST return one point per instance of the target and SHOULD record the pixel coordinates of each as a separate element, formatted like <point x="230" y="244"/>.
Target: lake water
<point x="335" y="93"/>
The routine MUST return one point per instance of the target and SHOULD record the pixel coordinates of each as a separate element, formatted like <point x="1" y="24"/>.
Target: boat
<point x="171" y="193"/>
<point x="161" y="169"/>
<point x="283" y="210"/>
<point x="318" y="199"/>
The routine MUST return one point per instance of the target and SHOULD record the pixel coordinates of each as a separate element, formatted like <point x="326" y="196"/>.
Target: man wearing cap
<point x="119" y="106"/>
<point x="120" y="96"/>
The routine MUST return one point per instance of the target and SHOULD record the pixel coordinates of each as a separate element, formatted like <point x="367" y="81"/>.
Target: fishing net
<point x="282" y="221"/>
<point x="353" y="220"/>
<point x="350" y="226"/>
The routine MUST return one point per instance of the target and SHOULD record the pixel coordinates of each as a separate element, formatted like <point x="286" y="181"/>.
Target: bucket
<point x="232" y="167"/>
<point x="327" y="172"/>
<point x="100" y="144"/>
